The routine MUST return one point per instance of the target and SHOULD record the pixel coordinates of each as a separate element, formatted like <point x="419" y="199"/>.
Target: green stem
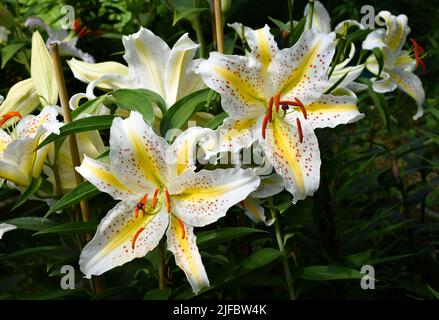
<point x="311" y="4"/>
<point x="196" y="25"/>
<point x="161" y="248"/>
<point x="286" y="267"/>
<point x="290" y="17"/>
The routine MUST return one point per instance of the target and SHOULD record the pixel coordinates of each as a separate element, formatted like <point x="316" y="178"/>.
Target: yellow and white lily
<point x="152" y="65"/>
<point x="399" y="66"/>
<point x="160" y="193"/>
<point x="5" y="227"/>
<point x="19" y="161"/>
<point x="277" y="97"/>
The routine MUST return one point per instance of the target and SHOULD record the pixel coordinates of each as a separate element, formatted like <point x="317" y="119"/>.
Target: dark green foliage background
<point x="378" y="201"/>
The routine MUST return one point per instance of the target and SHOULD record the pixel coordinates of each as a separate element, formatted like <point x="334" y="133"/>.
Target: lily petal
<point x="118" y="240"/>
<point x="255" y="211"/>
<point x="298" y="163"/>
<point x="320" y="19"/>
<point x="146" y="55"/>
<point x="235" y="135"/>
<point x="5" y="139"/>
<point x="32" y="125"/>
<point x="397" y="29"/>
<point x="22" y="98"/>
<point x="301" y="71"/>
<point x="410" y="84"/>
<point x="5" y="227"/>
<point x="183" y="151"/>
<point x="385" y="84"/>
<point x="269" y="186"/>
<point x="203" y="197"/>
<point x="101" y="175"/>
<point x="238" y="81"/>
<point x="88" y="72"/>
<point x="182" y="242"/>
<point x="137" y="154"/>
<point x="262" y="44"/>
<point x="179" y="76"/>
<point x="330" y="111"/>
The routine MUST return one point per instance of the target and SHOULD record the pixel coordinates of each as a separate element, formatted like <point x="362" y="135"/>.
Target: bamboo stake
<point x="73" y="144"/>
<point x="219" y="26"/>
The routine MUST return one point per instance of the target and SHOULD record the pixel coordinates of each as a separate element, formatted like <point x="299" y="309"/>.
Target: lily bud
<point x="42" y="72"/>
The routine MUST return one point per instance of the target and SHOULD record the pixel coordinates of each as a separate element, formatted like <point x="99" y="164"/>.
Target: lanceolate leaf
<point x="135" y="100"/>
<point x="329" y="273"/>
<point x="178" y="115"/>
<point x="70" y="228"/>
<point x="31" y="223"/>
<point x="80" y="125"/>
<point x="30" y="190"/>
<point x="217" y="121"/>
<point x="214" y="237"/>
<point x="88" y="107"/>
<point x="84" y="191"/>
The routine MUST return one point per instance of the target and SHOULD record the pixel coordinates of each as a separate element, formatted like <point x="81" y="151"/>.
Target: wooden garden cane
<point x="73" y="143"/>
<point x="219" y="26"/>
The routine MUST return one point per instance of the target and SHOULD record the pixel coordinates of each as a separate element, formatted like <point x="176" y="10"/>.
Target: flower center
<point x="285" y="106"/>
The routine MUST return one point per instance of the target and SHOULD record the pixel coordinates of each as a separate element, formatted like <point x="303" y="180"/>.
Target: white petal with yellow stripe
<point x="297" y="162"/>
<point x="121" y="237"/>
<point x="182" y="242"/>
<point x="202" y="198"/>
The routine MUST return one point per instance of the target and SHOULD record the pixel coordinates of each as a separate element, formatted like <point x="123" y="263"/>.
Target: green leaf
<point x="179" y="114"/>
<point x="9" y="51"/>
<point x="82" y="192"/>
<point x="31" y="223"/>
<point x="30" y="190"/>
<point x="186" y="14"/>
<point x="217" y="120"/>
<point x="79" y="125"/>
<point x="328" y="273"/>
<point x="6" y="18"/>
<point x="258" y="260"/>
<point x="282" y="26"/>
<point x="298" y="30"/>
<point x="155" y="98"/>
<point x="433" y="292"/>
<point x="71" y="228"/>
<point x="357" y="35"/>
<point x="88" y="107"/>
<point x="214" y="237"/>
<point x="35" y="251"/>
<point x="135" y="100"/>
<point x="158" y="294"/>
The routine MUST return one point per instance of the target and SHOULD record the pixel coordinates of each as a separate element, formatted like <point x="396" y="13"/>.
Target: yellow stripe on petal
<point x="264" y="48"/>
<point x="182" y="243"/>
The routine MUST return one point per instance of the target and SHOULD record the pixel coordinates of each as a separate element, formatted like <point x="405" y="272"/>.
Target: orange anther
<point x="264" y="126"/>
<point x="299" y="130"/>
<point x="133" y="242"/>
<point x="9" y="115"/>
<point x="277" y="102"/>
<point x="270" y="109"/>
<point x="302" y="108"/>
<point x="140" y="206"/>
<point x="182" y="229"/>
<point x="154" y="198"/>
<point x="168" y="201"/>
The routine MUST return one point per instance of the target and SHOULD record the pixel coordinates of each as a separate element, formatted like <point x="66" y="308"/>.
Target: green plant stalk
<point x="311" y="3"/>
<point x="286" y="267"/>
<point x="196" y="25"/>
<point x="161" y="248"/>
<point x="290" y="17"/>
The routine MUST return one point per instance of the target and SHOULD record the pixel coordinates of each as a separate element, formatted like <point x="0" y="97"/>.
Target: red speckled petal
<point x="183" y="244"/>
<point x="112" y="244"/>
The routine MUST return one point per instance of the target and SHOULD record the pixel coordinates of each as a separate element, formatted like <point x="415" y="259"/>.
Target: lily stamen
<point x="296" y="103"/>
<point x="136" y="235"/>
<point x="9" y="115"/>
<point x="154" y="198"/>
<point x="264" y="126"/>
<point x="417" y="50"/>
<point x="299" y="130"/>
<point x="277" y="102"/>
<point x="270" y="109"/>
<point x="168" y="201"/>
<point x="183" y="230"/>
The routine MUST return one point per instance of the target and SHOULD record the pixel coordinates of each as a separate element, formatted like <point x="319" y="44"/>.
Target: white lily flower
<point x="398" y="64"/>
<point x="269" y="186"/>
<point x="152" y="65"/>
<point x="19" y="161"/>
<point x="254" y="88"/>
<point x="67" y="45"/>
<point x="5" y="227"/>
<point x="159" y="192"/>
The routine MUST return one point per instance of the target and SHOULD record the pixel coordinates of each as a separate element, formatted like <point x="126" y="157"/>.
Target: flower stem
<point x="161" y="248"/>
<point x="286" y="267"/>
<point x="196" y="25"/>
<point x="290" y="17"/>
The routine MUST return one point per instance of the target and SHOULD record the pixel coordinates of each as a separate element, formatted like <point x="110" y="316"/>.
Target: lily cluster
<point x="275" y="98"/>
